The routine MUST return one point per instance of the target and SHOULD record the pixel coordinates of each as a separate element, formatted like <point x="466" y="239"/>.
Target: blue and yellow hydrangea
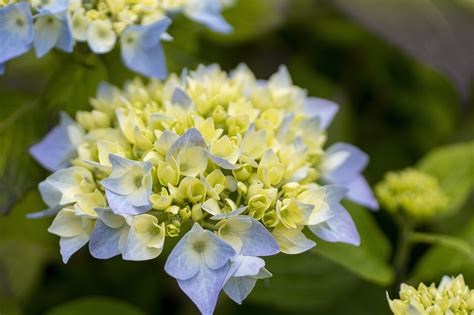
<point x="451" y="296"/>
<point x="138" y="26"/>
<point x="234" y="167"/>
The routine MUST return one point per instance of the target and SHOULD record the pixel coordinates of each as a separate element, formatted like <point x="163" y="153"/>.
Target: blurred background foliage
<point x="398" y="103"/>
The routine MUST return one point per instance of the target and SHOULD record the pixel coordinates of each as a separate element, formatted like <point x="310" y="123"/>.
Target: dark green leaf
<point x="454" y="167"/>
<point x="370" y="260"/>
<point x="95" y="306"/>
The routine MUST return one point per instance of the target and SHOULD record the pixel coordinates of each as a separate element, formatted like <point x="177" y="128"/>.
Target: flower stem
<point x="402" y="253"/>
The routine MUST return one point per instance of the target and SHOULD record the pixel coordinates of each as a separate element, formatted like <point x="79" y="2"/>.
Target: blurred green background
<point x="400" y="101"/>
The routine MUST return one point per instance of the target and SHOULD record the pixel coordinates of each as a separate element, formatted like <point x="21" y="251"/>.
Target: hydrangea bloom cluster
<point x="233" y="166"/>
<point x="138" y="26"/>
<point x="412" y="193"/>
<point x="452" y="296"/>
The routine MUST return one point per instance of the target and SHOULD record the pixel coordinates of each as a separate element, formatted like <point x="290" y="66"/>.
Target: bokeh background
<point x="401" y="72"/>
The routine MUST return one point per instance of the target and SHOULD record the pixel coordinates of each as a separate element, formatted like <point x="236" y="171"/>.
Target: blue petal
<point x="142" y="51"/>
<point x="258" y="241"/>
<point x="243" y="278"/>
<point x="56" y="150"/>
<point x="180" y="98"/>
<point x="239" y="288"/>
<point x="16" y="30"/>
<point x="191" y="138"/>
<point x="339" y="228"/>
<point x="361" y="193"/>
<point x="2" y="68"/>
<point x="70" y="245"/>
<point x="324" y="109"/>
<point x="204" y="288"/>
<point x="104" y="241"/>
<point x="222" y="216"/>
<point x="344" y="162"/>
<point x="248" y="266"/>
<point x="208" y="12"/>
<point x="182" y="263"/>
<point x="55" y="6"/>
<point x="221" y="162"/>
<point x="122" y="204"/>
<point x="47" y="30"/>
<point x="220" y="252"/>
<point x="65" y="41"/>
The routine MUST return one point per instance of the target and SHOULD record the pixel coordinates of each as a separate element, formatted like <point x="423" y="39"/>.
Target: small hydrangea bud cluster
<point x="452" y="296"/>
<point x="139" y="26"/>
<point x="233" y="166"/>
<point x="413" y="193"/>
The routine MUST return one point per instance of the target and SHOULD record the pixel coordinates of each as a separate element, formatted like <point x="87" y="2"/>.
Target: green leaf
<point x="444" y="240"/>
<point x="22" y="120"/>
<point x="21" y="266"/>
<point x="454" y="167"/>
<point x="310" y="284"/>
<point x="369" y="260"/>
<point x="74" y="84"/>
<point x="25" y="248"/>
<point x="444" y="260"/>
<point x="95" y="306"/>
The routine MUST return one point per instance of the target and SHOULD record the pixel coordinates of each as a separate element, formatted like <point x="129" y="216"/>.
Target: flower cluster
<point x="139" y="26"/>
<point x="452" y="296"/>
<point x="411" y="192"/>
<point x="233" y="166"/>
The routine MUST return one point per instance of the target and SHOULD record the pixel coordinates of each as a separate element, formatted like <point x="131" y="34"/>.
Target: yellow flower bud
<point x="161" y="201"/>
<point x="191" y="189"/>
<point x="168" y="172"/>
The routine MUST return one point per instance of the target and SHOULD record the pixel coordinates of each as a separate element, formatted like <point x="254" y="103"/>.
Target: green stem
<point x="402" y="253"/>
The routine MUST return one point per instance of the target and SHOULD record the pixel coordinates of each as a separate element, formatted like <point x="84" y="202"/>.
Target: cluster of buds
<point x="139" y="27"/>
<point x="234" y="167"/>
<point x="411" y="193"/>
<point x="452" y="296"/>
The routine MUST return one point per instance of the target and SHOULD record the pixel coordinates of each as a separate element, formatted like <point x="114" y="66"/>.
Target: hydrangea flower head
<point x="137" y="26"/>
<point x="451" y="296"/>
<point x="412" y="193"/>
<point x="232" y="166"/>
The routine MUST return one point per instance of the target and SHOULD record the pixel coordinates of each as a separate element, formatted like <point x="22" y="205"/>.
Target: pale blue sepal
<point x="221" y="162"/>
<point x="322" y="108"/>
<point x="244" y="276"/>
<point x="343" y="165"/>
<point x="258" y="241"/>
<point x="70" y="245"/>
<point x="339" y="228"/>
<point x="55" y="6"/>
<point x="191" y="138"/>
<point x="204" y="288"/>
<point x="56" y="150"/>
<point x="361" y="193"/>
<point x="184" y="262"/>
<point x="122" y="205"/>
<point x="16" y="30"/>
<point x="45" y="213"/>
<point x="208" y="12"/>
<point x="180" y="98"/>
<point x="142" y="51"/>
<point x="222" y="216"/>
<point x="47" y="29"/>
<point x="343" y="162"/>
<point x="104" y="241"/>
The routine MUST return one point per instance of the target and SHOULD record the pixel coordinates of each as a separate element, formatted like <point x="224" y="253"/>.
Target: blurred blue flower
<point x="16" y="30"/>
<point x="142" y="51"/>
<point x="57" y="149"/>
